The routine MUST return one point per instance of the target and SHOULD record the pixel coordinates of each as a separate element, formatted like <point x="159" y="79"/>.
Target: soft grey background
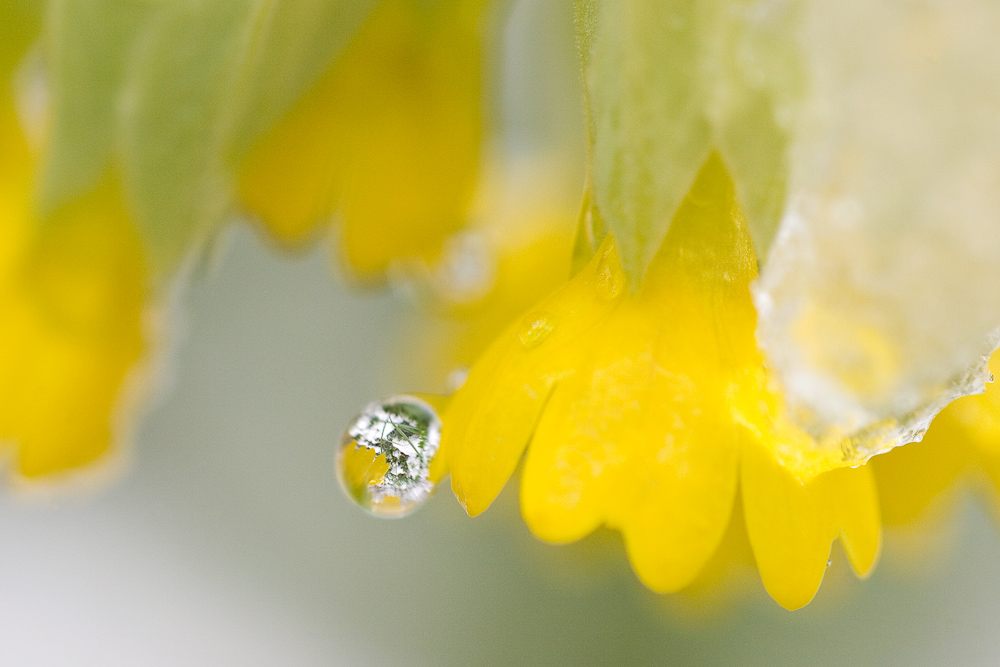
<point x="229" y="543"/>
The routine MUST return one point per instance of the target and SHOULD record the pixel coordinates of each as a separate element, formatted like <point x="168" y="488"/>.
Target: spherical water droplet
<point x="535" y="328"/>
<point x="385" y="456"/>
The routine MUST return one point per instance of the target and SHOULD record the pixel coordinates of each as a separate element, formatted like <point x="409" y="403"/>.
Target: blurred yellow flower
<point x="72" y="291"/>
<point x="388" y="141"/>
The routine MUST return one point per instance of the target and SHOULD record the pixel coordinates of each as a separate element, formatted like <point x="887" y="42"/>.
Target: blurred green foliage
<point x="170" y="95"/>
<point x="668" y="81"/>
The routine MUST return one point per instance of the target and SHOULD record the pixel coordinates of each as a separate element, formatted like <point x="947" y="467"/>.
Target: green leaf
<point x="177" y="122"/>
<point x="649" y="134"/>
<point x="87" y="42"/>
<point x="292" y="48"/>
<point x="760" y="84"/>
<point x="667" y="82"/>
<point x="209" y="78"/>
<point x="20" y="21"/>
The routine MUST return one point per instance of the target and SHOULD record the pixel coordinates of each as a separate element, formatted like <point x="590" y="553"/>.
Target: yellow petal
<point x="854" y="497"/>
<point x="641" y="437"/>
<point x="915" y="479"/>
<point x="790" y="528"/>
<point x="702" y="277"/>
<point x="728" y="576"/>
<point x="489" y="422"/>
<point x="15" y="184"/>
<point x="791" y="524"/>
<point x="560" y="500"/>
<point x="671" y="533"/>
<point x="70" y="330"/>
<point x="978" y="416"/>
<point x="71" y="295"/>
<point x="388" y="139"/>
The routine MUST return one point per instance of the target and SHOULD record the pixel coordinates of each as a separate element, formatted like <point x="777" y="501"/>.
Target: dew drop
<point x="466" y="270"/>
<point x="456" y="379"/>
<point x="535" y="328"/>
<point x="385" y="455"/>
<point x="610" y="281"/>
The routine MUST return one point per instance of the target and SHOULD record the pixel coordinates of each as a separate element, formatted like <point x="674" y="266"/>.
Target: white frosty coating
<point x="881" y="294"/>
<point x="408" y="432"/>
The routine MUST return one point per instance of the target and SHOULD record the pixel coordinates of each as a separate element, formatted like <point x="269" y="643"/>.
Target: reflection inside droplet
<point x="385" y="455"/>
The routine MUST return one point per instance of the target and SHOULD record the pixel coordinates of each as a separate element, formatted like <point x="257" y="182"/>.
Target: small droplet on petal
<point x="610" y="281"/>
<point x="385" y="456"/>
<point x="535" y="328"/>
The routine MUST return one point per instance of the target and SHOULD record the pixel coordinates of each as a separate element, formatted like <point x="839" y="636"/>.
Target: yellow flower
<point x="388" y="140"/>
<point x="648" y="411"/>
<point x="72" y="290"/>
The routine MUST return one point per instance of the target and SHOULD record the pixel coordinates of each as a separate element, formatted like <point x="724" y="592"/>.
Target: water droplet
<point x="385" y="456"/>
<point x="535" y="328"/>
<point x="466" y="270"/>
<point x="610" y="279"/>
<point x="829" y="563"/>
<point x="456" y="379"/>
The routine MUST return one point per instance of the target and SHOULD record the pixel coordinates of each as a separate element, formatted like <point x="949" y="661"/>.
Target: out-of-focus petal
<point x="388" y="140"/>
<point x="72" y="289"/>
